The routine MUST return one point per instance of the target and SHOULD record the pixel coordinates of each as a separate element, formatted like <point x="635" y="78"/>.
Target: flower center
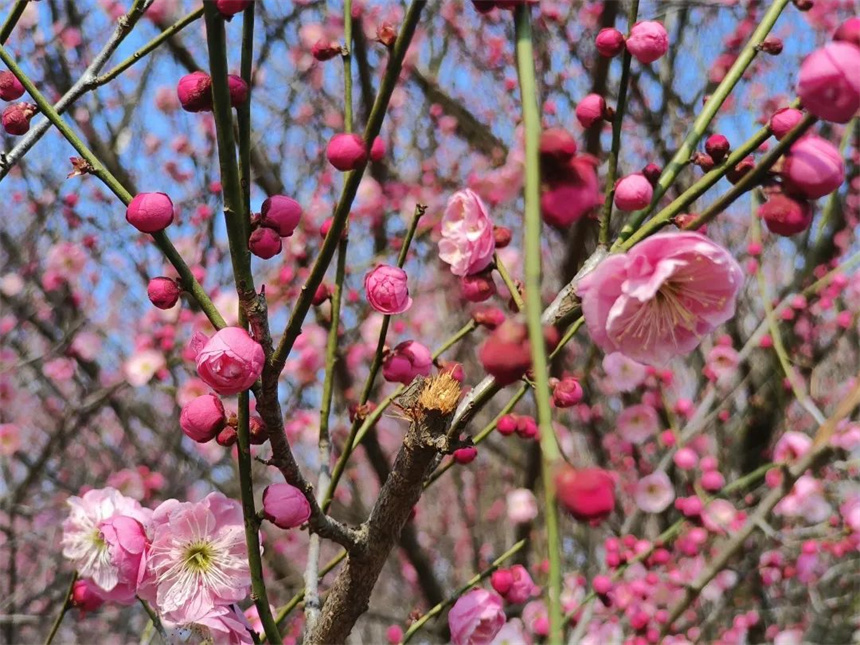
<point x="199" y="556"/>
<point x="97" y="540"/>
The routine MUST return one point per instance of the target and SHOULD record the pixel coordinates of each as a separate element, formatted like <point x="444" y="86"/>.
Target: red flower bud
<point x="238" y="89"/>
<point x="325" y="49"/>
<point x="502" y="235"/>
<point x="195" y="92"/>
<point x="609" y="42"/>
<point x="718" y="147"/>
<point x="16" y="118"/>
<point x="163" y="292"/>
<point x="386" y="34"/>
<point x="10" y="87"/>
<point x="346" y="151"/>
<point x="265" y="242"/>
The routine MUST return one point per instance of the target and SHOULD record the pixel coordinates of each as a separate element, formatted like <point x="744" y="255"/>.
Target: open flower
<point x="654" y="493"/>
<point x="476" y="618"/>
<point x="198" y="559"/>
<point x="103" y="537"/>
<point x="467" y="242"/>
<point x="230" y="361"/>
<point x="660" y="298"/>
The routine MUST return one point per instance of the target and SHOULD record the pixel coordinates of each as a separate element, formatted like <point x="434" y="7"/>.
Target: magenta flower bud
<point x="506" y="354"/>
<point x="466" y="455"/>
<point x="322" y="294"/>
<point x="587" y="494"/>
<point x="264" y="242"/>
<point x="386" y="34"/>
<point x="346" y="151"/>
<point x="522" y="586"/>
<point x="163" y="292"/>
<point x="285" y="506"/>
<point x="633" y="192"/>
<point x="229" y="8"/>
<point x="813" y="168"/>
<point x="502" y="235"/>
<point x="282" y="214"/>
<point x="609" y="42"/>
<point x="502" y="580"/>
<point x="785" y="216"/>
<point x="556" y="146"/>
<point x="772" y="45"/>
<point x="194" y="91"/>
<point x="258" y="434"/>
<point x="703" y="161"/>
<point x="325" y="49"/>
<point x="652" y="173"/>
<point x="203" y="418"/>
<point x="230" y="361"/>
<point x="849" y="31"/>
<point x="377" y="150"/>
<point x="16" y="118"/>
<point x="590" y="110"/>
<point x="737" y="173"/>
<point x="406" y="361"/>
<point x="238" y="89"/>
<point x="828" y="83"/>
<point x="85" y="597"/>
<point x="489" y="317"/>
<point x="10" y="87"/>
<point x="150" y="212"/>
<point x="647" y="41"/>
<point x="717" y="146"/>
<point x="386" y="289"/>
<point x="507" y="425"/>
<point x="567" y="393"/>
<point x="527" y="427"/>
<point x="783" y="121"/>
<point x="453" y="368"/>
<point x="478" y="287"/>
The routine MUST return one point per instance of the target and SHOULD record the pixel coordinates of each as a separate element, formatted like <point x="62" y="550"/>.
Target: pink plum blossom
<point x="406" y="361"/>
<point x="476" y="618"/>
<point x="285" y="506"/>
<point x="639" y="423"/>
<point x="386" y="289"/>
<point x="521" y="506"/>
<point x="230" y="361"/>
<point x="467" y="243"/>
<point x="623" y="374"/>
<point x="662" y="297"/>
<point x="142" y="366"/>
<point x="654" y="493"/>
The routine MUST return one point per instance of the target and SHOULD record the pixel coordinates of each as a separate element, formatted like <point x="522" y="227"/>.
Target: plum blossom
<point x="476" y="618"/>
<point x="791" y="446"/>
<point x="623" y="374"/>
<point x="467" y="242"/>
<point x="659" y="299"/>
<point x="638" y="423"/>
<point x="805" y="502"/>
<point x="220" y="626"/>
<point x="141" y="366"/>
<point x="100" y="545"/>
<point x="654" y="493"/>
<point x="521" y="506"/>
<point x="230" y="361"/>
<point x="198" y="559"/>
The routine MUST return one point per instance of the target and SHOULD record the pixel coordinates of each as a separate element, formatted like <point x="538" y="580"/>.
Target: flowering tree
<point x="540" y="317"/>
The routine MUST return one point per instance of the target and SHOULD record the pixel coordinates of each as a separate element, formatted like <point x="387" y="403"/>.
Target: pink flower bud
<point x="742" y="168"/>
<point x="227" y="437"/>
<point x="609" y="42"/>
<point x="163" y="292"/>
<point x="285" y="506"/>
<point x="466" y="455"/>
<point x="772" y="45"/>
<point x="590" y="110"/>
<point x="556" y="145"/>
<point x="502" y="580"/>
<point x="784" y="120"/>
<point x="685" y="458"/>
<point x="567" y="393"/>
<point x="406" y="361"/>
<point x="478" y="287"/>
<point x="325" y="49"/>
<point x="717" y="146"/>
<point x="712" y="480"/>
<point x="601" y="584"/>
<point x="282" y="214"/>
<point x="10" y="87"/>
<point x="633" y="192"/>
<point x="849" y="31"/>
<point x="16" y="118"/>
<point x="264" y="242"/>
<point x="386" y="289"/>
<point x="150" y="212"/>
<point x="377" y="150"/>
<point x="230" y="361"/>
<point x="522" y="586"/>
<point x="203" y="418"/>
<point x="346" y="151"/>
<point x="587" y="494"/>
<point x="506" y="354"/>
<point x="229" y="8"/>
<point x="785" y="216"/>
<point x="703" y="161"/>
<point x="394" y="634"/>
<point x="489" y="317"/>
<point x="502" y="235"/>
<point x="453" y="368"/>
<point x="194" y="91"/>
<point x="476" y="618"/>
<point x="85" y="597"/>
<point x="813" y="167"/>
<point x="322" y="294"/>
<point x="647" y="41"/>
<point x="652" y="173"/>
<point x="507" y="425"/>
<point x="527" y="427"/>
<point x="238" y="89"/>
<point x="386" y="34"/>
<point x="828" y="83"/>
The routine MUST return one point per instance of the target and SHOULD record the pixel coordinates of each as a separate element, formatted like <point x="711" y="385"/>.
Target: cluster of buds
<point x="278" y="218"/>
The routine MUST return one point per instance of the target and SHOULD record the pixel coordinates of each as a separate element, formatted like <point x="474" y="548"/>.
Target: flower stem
<point x="67" y="602"/>
<point x="534" y="307"/>
<point x="618" y="119"/>
<point x="12" y="20"/>
<point x="509" y="283"/>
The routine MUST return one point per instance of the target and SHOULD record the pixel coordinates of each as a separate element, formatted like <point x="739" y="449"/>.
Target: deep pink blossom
<point x="828" y="83"/>
<point x="285" y="506"/>
<point x="476" y="618"/>
<point x="387" y="290"/>
<point x="203" y="418"/>
<point x="813" y="168"/>
<point x="647" y="41"/>
<point x="230" y="361"/>
<point x="406" y="361"/>
<point x="662" y="297"/>
<point x="467" y="243"/>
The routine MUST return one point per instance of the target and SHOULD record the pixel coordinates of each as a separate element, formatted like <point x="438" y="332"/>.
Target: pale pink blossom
<point x="198" y="559"/>
<point x="719" y="516"/>
<point x="850" y="511"/>
<point x="476" y="618"/>
<point x="521" y="506"/>
<point x="806" y="502"/>
<point x="623" y="374"/>
<point x="638" y="423"/>
<point x="221" y="625"/>
<point x="108" y="563"/>
<point x="662" y="297"/>
<point x="791" y="446"/>
<point x="141" y="366"/>
<point x="10" y="439"/>
<point x="467" y="242"/>
<point x="654" y="493"/>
